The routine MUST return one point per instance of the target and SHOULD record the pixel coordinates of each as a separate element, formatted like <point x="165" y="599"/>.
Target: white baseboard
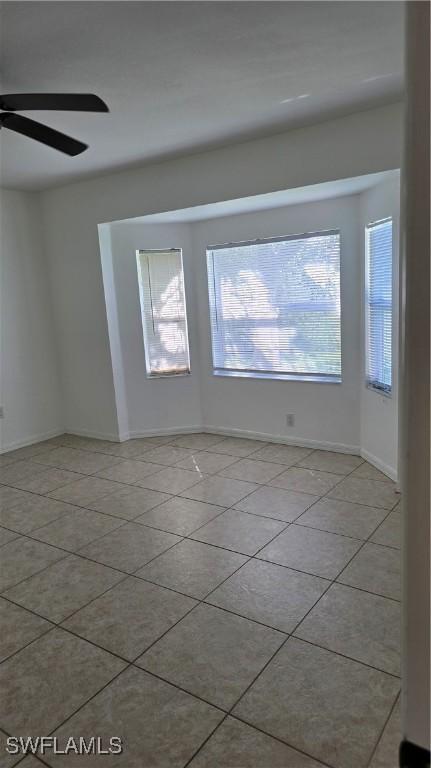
<point x="110" y="436"/>
<point x="120" y="438"/>
<point x="376" y="462"/>
<point x="164" y="431"/>
<point x="291" y="440"/>
<point x="31" y="440"/>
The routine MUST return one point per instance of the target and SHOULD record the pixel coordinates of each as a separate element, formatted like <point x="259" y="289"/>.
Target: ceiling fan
<point x="71" y="102"/>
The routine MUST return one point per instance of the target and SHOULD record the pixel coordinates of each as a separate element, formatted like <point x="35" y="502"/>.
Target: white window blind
<point x="379" y="305"/>
<point x="163" y="310"/>
<point x="275" y="307"/>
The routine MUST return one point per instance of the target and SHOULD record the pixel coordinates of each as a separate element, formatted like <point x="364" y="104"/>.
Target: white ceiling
<point x="183" y="76"/>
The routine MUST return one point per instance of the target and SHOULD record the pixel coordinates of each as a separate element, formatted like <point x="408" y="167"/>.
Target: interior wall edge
<point x="391" y="472"/>
<point x="31" y="440"/>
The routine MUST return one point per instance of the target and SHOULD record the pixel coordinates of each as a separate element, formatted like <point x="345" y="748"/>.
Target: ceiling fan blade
<point x="73" y="102"/>
<point x="42" y="133"/>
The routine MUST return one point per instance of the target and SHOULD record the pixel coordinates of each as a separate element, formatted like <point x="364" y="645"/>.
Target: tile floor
<point x="214" y="601"/>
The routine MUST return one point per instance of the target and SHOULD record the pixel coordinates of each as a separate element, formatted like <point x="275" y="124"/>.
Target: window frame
<point x="318" y="378"/>
<point x="370" y="385"/>
<point x="143" y="311"/>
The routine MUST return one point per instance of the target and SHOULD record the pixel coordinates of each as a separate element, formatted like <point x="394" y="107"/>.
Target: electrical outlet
<point x="1" y="412"/>
<point x="290" y="419"/>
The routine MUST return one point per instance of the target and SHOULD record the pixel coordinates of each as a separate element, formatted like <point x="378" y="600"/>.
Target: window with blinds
<point x="275" y="307"/>
<point x="379" y="305"/>
<point x="163" y="310"/>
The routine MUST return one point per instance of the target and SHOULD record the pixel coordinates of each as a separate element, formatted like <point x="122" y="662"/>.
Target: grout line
<point x="343" y="655"/>
<point x="319" y="762"/>
<point x="383" y="729"/>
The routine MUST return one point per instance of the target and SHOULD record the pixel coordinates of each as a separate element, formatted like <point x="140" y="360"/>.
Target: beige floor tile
<point x="130" y="472"/>
<point x="26" y="452"/>
<point x="147" y="443"/>
<point x="49" y="679"/>
<point x="22" y="558"/>
<point x="237" y="745"/>
<point x="168" y="455"/>
<point x="76" y="460"/>
<point x="30" y="762"/>
<point x="276" y="503"/>
<point x="253" y="471"/>
<point x="386" y="754"/>
<point x="171" y="480"/>
<point x="129" y="449"/>
<point x="369" y="492"/>
<point x="47" y="481"/>
<point x="197" y="442"/>
<point x="376" y="569"/>
<point x="306" y="481"/>
<point x="369" y="472"/>
<point x="102" y="446"/>
<point x="129" y="503"/>
<point x="10" y="496"/>
<point x="306" y="549"/>
<point x="129" y="547"/>
<point x="330" y="461"/>
<point x="220" y="490"/>
<point x="64" y="587"/>
<point x="346" y="703"/>
<point x="281" y="454"/>
<point x="7" y="536"/>
<point x="238" y="446"/>
<point x="206" y="462"/>
<point x="192" y="568"/>
<point x="78" y="528"/>
<point x="129" y="617"/>
<point x="239" y="531"/>
<point x="85" y="492"/>
<point x="94" y="445"/>
<point x="161" y="727"/>
<point x="8" y="760"/>
<point x="32" y="511"/>
<point x="389" y="532"/>
<point x="357" y="624"/>
<point x="6" y="459"/>
<point x="343" y="517"/>
<point x="181" y="516"/>
<point x="213" y="654"/>
<point x="18" y="628"/>
<point x="20" y="471"/>
<point x="270" y="594"/>
<point x="152" y="441"/>
<point x="77" y="441"/>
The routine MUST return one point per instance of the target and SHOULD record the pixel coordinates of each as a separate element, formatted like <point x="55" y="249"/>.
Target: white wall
<point x="379" y="413"/>
<point x="325" y="414"/>
<point x="153" y="405"/>
<point x="29" y="385"/>
<point x="346" y="147"/>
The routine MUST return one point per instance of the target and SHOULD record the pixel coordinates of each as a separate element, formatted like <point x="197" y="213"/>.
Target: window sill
<point x="279" y="376"/>
<point x="158" y="376"/>
<point x="378" y="391"/>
